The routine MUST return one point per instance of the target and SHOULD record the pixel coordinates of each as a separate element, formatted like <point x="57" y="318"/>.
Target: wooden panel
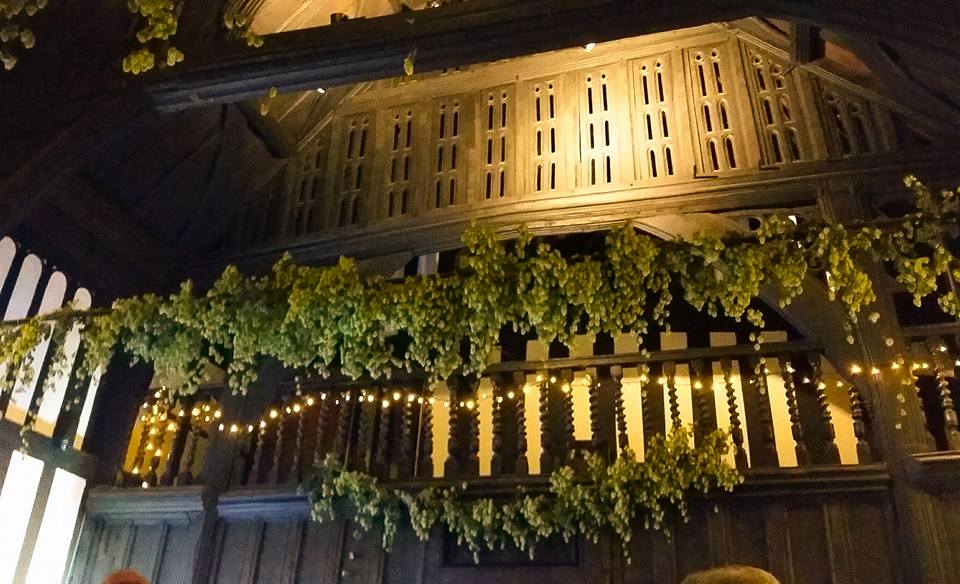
<point x="176" y="565"/>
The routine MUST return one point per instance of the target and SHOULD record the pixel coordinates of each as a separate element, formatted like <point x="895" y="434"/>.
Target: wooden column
<point x="925" y="552"/>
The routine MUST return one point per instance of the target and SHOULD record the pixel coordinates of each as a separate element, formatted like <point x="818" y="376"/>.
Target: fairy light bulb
<point x="553" y="379"/>
<point x="874" y="371"/>
<point x="855" y="369"/>
<point x="396" y="396"/>
<point x="296" y="408"/>
<point x="697" y="385"/>
<point x="310" y="401"/>
<point x="470" y="404"/>
<point x="385" y="403"/>
<point x="274" y="414"/>
<point x="195" y="412"/>
<point x="234" y="429"/>
<point x="511" y="395"/>
<point x="565" y="388"/>
<point x="263" y="424"/>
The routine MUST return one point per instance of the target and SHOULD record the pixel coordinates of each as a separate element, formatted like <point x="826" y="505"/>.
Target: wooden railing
<point x="935" y="360"/>
<point x="527" y="418"/>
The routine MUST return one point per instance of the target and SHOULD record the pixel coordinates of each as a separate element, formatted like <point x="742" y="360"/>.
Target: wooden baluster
<point x="384" y="432"/>
<point x="153" y="458"/>
<point x="403" y="465"/>
<point x="651" y="403"/>
<point x="596" y="438"/>
<point x="831" y="454"/>
<point x="864" y="454"/>
<point x="496" y="459"/>
<point x="546" y="448"/>
<point x="425" y="433"/>
<point x="521" y="467"/>
<point x="254" y="477"/>
<point x="295" y="475"/>
<point x="565" y="381"/>
<point x="763" y="442"/>
<point x="452" y="466"/>
<point x="473" y="428"/>
<point x="670" y="381"/>
<point x="360" y="450"/>
<point x="341" y="442"/>
<point x="323" y="415"/>
<point x="703" y="400"/>
<point x="938" y="350"/>
<point x="736" y="431"/>
<point x="620" y="412"/>
<point x="789" y="387"/>
<point x="273" y="477"/>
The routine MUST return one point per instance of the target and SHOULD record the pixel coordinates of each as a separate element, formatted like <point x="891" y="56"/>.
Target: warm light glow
<point x="553" y="379"/>
<point x="855" y="369"/>
<point x="195" y="412"/>
<point x="274" y="414"/>
<point x="385" y="403"/>
<point x="217" y="414"/>
<point x="296" y="408"/>
<point x="874" y="371"/>
<point x="539" y="378"/>
<point x="510" y="395"/>
<point x="220" y="427"/>
<point x="894" y="366"/>
<point x="589" y="46"/>
<point x="234" y="429"/>
<point x="263" y="423"/>
<point x="321" y="90"/>
<point x="411" y="397"/>
<point x="470" y="404"/>
<point x="396" y="396"/>
<point x="697" y="385"/>
<point x="565" y="388"/>
<point x="309" y="401"/>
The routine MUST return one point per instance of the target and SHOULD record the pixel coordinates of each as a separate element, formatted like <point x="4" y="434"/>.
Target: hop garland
<point x="611" y="497"/>
<point x="320" y="320"/>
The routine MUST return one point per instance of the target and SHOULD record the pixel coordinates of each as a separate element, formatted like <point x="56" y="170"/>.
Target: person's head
<point x="731" y="575"/>
<point x="125" y="577"/>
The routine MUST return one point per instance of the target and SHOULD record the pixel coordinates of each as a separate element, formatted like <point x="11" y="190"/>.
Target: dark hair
<point x="732" y="575"/>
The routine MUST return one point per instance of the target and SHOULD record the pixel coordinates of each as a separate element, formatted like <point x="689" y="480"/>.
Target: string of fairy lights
<point x="163" y="417"/>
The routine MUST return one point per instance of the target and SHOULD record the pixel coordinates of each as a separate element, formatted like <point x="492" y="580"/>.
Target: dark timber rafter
<point x="487" y="30"/>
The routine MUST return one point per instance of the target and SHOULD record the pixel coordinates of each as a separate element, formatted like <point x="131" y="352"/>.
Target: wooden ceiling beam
<point x="488" y="30"/>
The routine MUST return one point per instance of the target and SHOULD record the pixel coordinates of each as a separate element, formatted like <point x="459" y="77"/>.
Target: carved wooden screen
<point x="497" y="148"/>
<point x="450" y="125"/>
<point x="656" y="127"/>
<point x="712" y="82"/>
<point x="603" y="105"/>
<point x="306" y="186"/>
<point x="546" y="110"/>
<point x="400" y="168"/>
<point x="773" y="91"/>
<point x="352" y="168"/>
<point x="852" y="123"/>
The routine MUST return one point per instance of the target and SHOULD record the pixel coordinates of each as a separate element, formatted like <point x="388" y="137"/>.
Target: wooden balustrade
<point x="782" y="406"/>
<point x="935" y="362"/>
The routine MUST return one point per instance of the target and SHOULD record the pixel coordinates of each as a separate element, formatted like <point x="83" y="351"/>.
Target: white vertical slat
<point x="441" y="427"/>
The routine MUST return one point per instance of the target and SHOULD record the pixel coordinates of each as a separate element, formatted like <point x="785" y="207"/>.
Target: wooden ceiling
<point x="97" y="172"/>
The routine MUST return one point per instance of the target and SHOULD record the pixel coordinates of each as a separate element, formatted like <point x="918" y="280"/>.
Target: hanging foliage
<point x="317" y="320"/>
<point x="607" y="496"/>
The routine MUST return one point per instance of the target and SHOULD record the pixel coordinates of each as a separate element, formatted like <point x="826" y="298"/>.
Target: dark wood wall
<point x="834" y="527"/>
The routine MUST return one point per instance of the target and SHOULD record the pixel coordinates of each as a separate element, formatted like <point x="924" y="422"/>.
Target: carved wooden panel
<point x="775" y="98"/>
<point x="713" y="71"/>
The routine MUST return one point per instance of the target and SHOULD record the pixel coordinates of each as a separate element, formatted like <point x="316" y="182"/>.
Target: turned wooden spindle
<point x="452" y="466"/>
<point x="295" y="475"/>
<point x="546" y="448"/>
<point x="705" y="409"/>
<point x="382" y="450"/>
<point x="938" y="350"/>
<point x="651" y="404"/>
<point x="565" y="381"/>
<point x="736" y="430"/>
<point x="403" y="465"/>
<point x="670" y="381"/>
<point x="521" y="466"/>
<point x="831" y="454"/>
<point x="273" y="477"/>
<point x="341" y="441"/>
<point x="793" y="410"/>
<point x="620" y="411"/>
<point x="763" y="442"/>
<point x="425" y="449"/>
<point x="496" y="459"/>
<point x="177" y="451"/>
<point x="864" y="454"/>
<point x="323" y="415"/>
<point x="254" y="477"/>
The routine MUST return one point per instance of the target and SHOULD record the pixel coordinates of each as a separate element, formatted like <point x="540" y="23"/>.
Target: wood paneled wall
<point x="833" y="527"/>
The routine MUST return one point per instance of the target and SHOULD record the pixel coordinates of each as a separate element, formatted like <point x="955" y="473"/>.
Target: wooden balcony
<point x="813" y="489"/>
